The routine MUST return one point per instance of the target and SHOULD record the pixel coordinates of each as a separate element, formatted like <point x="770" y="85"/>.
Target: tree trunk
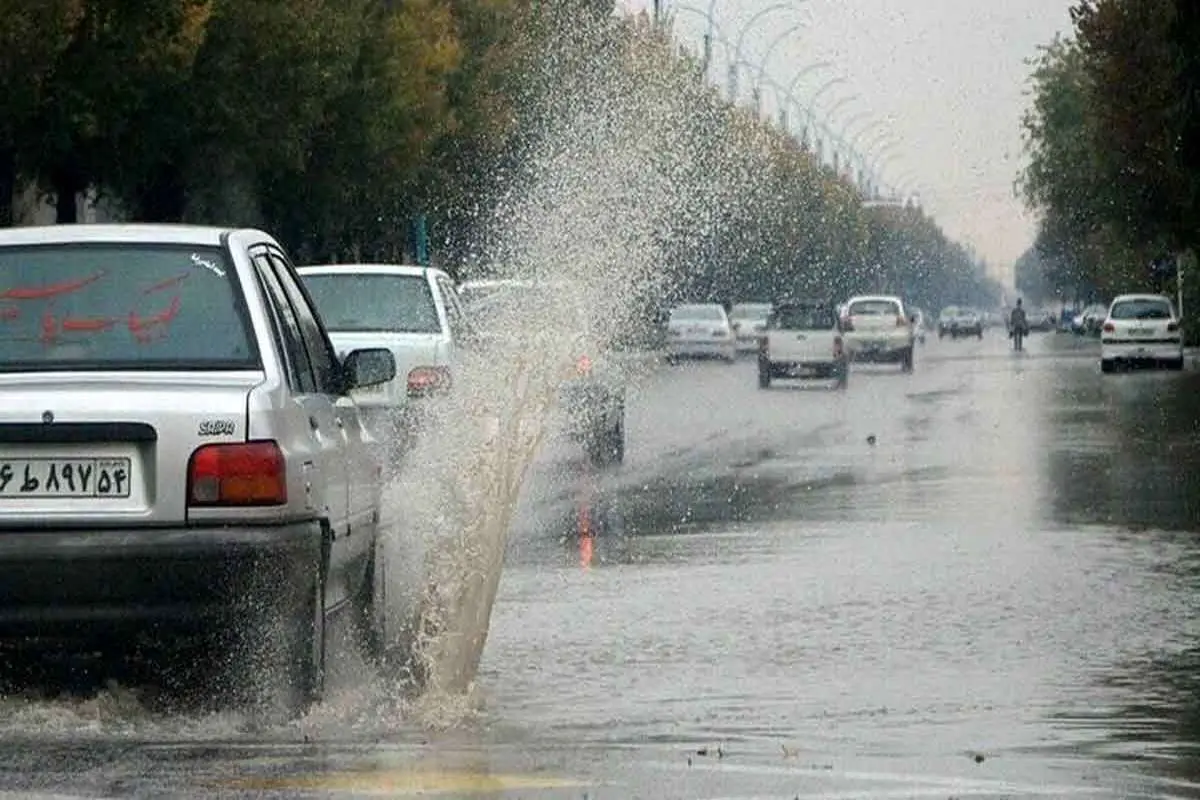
<point x="8" y="186"/>
<point x="164" y="199"/>
<point x="67" y="188"/>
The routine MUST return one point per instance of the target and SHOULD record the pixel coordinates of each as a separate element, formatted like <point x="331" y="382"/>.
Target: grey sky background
<point x="946" y="78"/>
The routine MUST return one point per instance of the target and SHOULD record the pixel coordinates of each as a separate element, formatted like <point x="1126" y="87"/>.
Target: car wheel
<point x="979" y="333"/>
<point x="764" y="374"/>
<point x="307" y="644"/>
<point x="842" y="376"/>
<point x="1175" y="364"/>
<point x="1106" y="365"/>
<point x="906" y="360"/>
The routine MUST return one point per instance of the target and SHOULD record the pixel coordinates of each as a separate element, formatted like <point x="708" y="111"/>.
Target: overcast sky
<point x="947" y="78"/>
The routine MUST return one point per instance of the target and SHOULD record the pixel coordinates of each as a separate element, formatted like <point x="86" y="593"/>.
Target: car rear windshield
<point x="356" y="302"/>
<point x="804" y="318"/>
<point x="750" y="311"/>
<point x="1148" y="308"/>
<point x="874" y="308"/>
<point x="697" y="313"/>
<point x="121" y="306"/>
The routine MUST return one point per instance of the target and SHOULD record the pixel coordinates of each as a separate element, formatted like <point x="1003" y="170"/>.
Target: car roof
<point x="140" y="233"/>
<point x="1125" y="298"/>
<point x="875" y="298"/>
<point x="366" y="269"/>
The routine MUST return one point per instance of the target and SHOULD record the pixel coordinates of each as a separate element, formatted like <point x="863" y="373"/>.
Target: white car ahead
<point x="412" y="311"/>
<point x="877" y="328"/>
<point x="749" y="321"/>
<point x="1141" y="328"/>
<point x="700" y="330"/>
<point x="803" y="340"/>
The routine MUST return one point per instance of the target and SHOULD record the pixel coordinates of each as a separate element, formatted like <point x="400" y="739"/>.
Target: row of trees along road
<point x="333" y="123"/>
<point x="1114" y="141"/>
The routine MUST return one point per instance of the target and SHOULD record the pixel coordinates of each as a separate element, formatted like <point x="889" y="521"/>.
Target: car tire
<point x="1107" y="366"/>
<point x="979" y="333"/>
<point x="764" y="374"/>
<point x="906" y="360"/>
<point x="307" y="644"/>
<point x="1176" y="364"/>
<point x="841" y="377"/>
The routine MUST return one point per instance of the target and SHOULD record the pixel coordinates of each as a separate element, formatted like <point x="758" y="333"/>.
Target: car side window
<point x="299" y="369"/>
<point x="324" y="360"/>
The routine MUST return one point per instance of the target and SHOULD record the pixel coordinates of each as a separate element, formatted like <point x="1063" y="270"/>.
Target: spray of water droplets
<point x="609" y="187"/>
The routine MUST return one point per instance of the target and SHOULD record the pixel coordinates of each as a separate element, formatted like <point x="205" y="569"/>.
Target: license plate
<point x="1141" y="331"/>
<point x="65" y="477"/>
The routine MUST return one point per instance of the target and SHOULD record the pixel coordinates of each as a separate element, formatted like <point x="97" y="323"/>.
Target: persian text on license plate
<point x="64" y="477"/>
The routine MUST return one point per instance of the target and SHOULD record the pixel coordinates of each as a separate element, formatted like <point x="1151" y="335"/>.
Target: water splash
<point x="608" y="189"/>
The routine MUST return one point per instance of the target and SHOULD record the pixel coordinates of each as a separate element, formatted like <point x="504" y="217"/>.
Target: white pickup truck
<point x="802" y="340"/>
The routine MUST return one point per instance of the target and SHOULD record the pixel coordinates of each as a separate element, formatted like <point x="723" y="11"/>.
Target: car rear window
<point x="356" y="302"/>
<point x="121" y="306"/>
<point x="1147" y="308"/>
<point x="697" y="313"/>
<point x="750" y="311"/>
<point x="804" y="318"/>
<point x="874" y="308"/>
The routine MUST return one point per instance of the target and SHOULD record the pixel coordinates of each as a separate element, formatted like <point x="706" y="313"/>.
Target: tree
<point x="116" y="61"/>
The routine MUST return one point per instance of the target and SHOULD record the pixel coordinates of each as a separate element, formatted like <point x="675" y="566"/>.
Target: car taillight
<point x="1172" y="327"/>
<point x="583" y="365"/>
<point x="424" y="380"/>
<point x="901" y="321"/>
<point x="242" y="474"/>
<point x="1109" y="327"/>
<point x="837" y="346"/>
<point x="847" y="325"/>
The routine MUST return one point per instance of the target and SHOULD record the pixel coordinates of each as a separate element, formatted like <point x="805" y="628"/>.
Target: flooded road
<point x="981" y="579"/>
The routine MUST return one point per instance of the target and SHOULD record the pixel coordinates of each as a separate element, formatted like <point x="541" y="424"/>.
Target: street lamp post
<point x="737" y="46"/>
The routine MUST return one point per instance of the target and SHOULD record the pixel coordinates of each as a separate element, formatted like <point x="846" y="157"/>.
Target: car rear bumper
<point x="865" y="347"/>
<point x="84" y="585"/>
<point x="1148" y="351"/>
<point x="719" y="347"/>
<point x="807" y="369"/>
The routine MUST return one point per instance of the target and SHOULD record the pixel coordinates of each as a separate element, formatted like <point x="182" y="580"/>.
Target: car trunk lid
<point x="111" y="449"/>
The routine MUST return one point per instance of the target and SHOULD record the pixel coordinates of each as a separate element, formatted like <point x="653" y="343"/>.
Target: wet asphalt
<point x="977" y="580"/>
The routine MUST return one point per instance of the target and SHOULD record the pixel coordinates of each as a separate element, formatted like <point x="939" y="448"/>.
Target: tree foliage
<point x="334" y="123"/>
<point x="1112" y="137"/>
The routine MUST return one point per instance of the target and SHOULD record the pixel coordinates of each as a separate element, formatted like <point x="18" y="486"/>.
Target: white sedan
<point x="1141" y="328"/>
<point x="700" y="330"/>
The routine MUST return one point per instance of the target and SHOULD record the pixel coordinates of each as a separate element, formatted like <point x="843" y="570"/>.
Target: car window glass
<point x="874" y="308"/>
<point x="299" y="367"/>
<point x="1147" y="308"/>
<point x="320" y="353"/>
<point x="358" y="302"/>
<point x="128" y="306"/>
<point x="800" y="318"/>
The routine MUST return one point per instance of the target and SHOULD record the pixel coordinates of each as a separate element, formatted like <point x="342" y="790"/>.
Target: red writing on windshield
<point x="143" y="328"/>
<point x="167" y="284"/>
<point x="46" y="292"/>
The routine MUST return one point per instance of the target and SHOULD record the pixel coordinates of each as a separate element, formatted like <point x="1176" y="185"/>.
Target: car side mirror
<point x="370" y="366"/>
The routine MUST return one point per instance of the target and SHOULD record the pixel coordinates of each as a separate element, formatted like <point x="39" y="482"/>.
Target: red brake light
<point x="425" y="380"/>
<point x="583" y="365"/>
<point x="901" y="321"/>
<point x="242" y="474"/>
<point x="847" y="325"/>
<point x="1109" y="327"/>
